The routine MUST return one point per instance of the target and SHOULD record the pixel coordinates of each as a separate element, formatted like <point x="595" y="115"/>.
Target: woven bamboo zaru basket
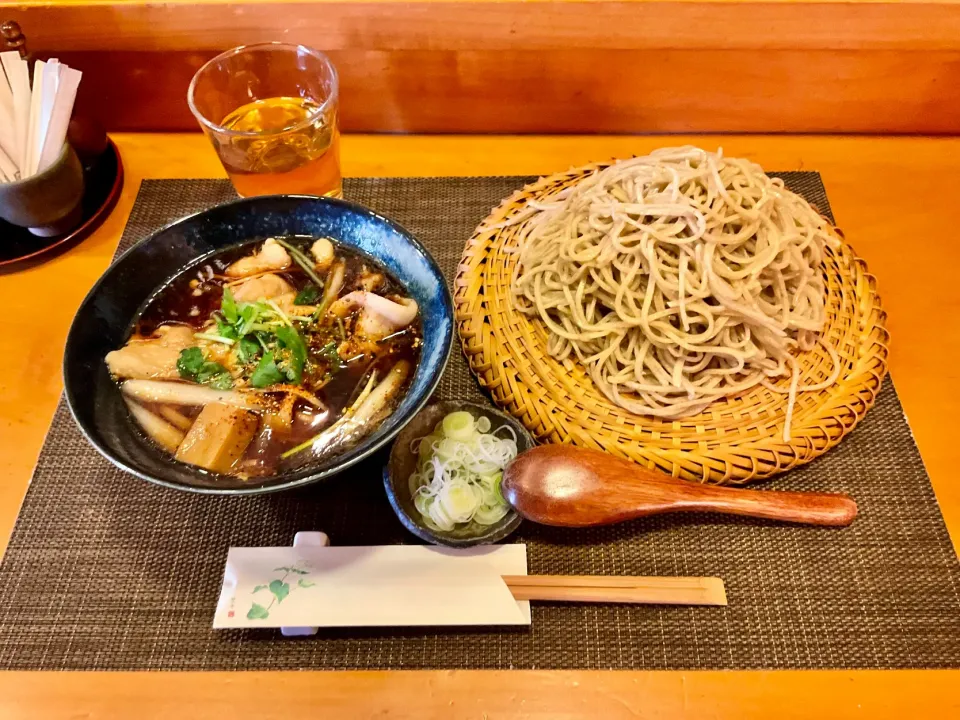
<point x="732" y="442"/>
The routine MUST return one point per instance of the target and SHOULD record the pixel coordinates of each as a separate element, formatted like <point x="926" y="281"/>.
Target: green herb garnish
<point x="293" y="354"/>
<point x="247" y="349"/>
<point x="300" y="258"/>
<point x="190" y="362"/>
<point x="221" y="380"/>
<point x="290" y="339"/>
<point x="228" y="306"/>
<point x="248" y="315"/>
<point x="225" y="329"/>
<point x="330" y="354"/>
<point x="308" y="296"/>
<point x="192" y="366"/>
<point x="260" y="332"/>
<point x="267" y="373"/>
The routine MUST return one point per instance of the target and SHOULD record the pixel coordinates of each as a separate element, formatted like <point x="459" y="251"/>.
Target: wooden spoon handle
<point x="799" y="507"/>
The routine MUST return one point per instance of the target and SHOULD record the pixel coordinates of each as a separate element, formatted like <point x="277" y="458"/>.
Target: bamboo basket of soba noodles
<point x="684" y="310"/>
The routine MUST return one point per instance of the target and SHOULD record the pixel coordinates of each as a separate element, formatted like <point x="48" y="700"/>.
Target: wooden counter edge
<point x="653" y="695"/>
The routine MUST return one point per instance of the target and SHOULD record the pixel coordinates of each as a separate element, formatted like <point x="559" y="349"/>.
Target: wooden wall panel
<point x="576" y="91"/>
<point x="551" y="66"/>
<point x="494" y="24"/>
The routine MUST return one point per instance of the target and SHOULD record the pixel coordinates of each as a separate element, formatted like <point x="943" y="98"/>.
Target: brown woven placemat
<point x="105" y="571"/>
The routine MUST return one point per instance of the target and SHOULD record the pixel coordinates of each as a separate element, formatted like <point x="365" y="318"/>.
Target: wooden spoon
<point x="575" y="487"/>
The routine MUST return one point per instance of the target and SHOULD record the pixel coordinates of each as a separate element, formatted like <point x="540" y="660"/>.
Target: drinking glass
<point x="271" y="112"/>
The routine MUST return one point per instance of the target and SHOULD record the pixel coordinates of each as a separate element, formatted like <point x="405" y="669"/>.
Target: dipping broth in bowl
<point x="269" y="356"/>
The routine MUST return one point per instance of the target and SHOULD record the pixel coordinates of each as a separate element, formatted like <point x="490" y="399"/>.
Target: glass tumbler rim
<point x="313" y="117"/>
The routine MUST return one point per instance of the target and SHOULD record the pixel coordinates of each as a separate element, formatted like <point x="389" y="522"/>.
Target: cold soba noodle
<point x="677" y="279"/>
<point x="268" y="357"/>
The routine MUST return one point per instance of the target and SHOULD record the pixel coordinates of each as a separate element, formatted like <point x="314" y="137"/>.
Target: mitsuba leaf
<point x="247" y="349"/>
<point x="220" y="381"/>
<point x="308" y="296"/>
<point x="247" y="315"/>
<point x="266" y="373"/>
<point x="225" y="329"/>
<point x="189" y="363"/>
<point x="215" y="375"/>
<point x="192" y="366"/>
<point x="228" y="306"/>
<point x="291" y="369"/>
<point x="290" y="339"/>
<point x="330" y="354"/>
<point x="293" y="356"/>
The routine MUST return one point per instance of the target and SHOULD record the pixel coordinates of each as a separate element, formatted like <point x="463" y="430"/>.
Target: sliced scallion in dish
<point x="459" y="469"/>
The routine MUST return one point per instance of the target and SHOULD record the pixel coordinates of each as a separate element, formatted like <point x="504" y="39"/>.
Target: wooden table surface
<point x="895" y="199"/>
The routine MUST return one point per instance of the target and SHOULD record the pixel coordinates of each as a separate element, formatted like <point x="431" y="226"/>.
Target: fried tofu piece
<point x="218" y="438"/>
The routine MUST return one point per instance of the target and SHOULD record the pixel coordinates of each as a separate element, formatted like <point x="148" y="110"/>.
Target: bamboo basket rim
<point x="735" y="440"/>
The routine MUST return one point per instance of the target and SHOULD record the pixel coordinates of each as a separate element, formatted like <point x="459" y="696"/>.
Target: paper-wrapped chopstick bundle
<point x="33" y="116"/>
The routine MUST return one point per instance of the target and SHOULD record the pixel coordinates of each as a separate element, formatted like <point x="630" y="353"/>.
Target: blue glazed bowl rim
<point x="308" y="479"/>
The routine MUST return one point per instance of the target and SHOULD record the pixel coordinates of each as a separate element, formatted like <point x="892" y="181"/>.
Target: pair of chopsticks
<point x="618" y="589"/>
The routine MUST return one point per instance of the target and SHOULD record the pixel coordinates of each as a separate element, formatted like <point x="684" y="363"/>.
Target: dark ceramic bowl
<point x="103" y="323"/>
<point x="403" y="462"/>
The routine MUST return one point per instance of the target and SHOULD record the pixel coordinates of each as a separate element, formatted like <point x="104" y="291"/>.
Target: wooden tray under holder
<point x="735" y="440"/>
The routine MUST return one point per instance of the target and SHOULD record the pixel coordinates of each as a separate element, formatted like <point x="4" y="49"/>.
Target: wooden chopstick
<point x="618" y="589"/>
